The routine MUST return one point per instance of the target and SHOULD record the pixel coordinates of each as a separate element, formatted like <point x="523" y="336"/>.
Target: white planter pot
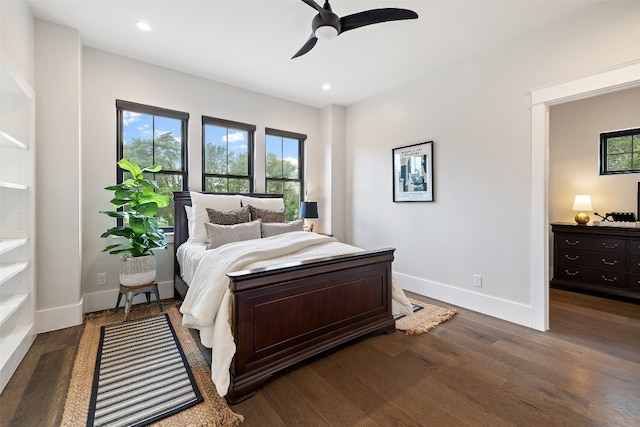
<point x="136" y="271"/>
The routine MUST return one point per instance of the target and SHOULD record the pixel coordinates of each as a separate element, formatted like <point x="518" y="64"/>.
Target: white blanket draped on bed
<point x="207" y="304"/>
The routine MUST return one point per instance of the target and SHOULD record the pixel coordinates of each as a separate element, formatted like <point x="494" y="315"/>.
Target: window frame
<point x="301" y="159"/>
<point x="121" y="106"/>
<point x="604" y="155"/>
<point x="230" y="124"/>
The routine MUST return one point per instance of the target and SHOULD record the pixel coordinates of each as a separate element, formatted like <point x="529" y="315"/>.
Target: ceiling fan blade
<point x="375" y="16"/>
<point x="307" y="46"/>
<point x="313" y="4"/>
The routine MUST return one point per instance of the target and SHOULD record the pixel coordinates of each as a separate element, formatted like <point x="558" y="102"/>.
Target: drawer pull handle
<point x="572" y="259"/>
<point x="575" y="273"/>
<point x="572" y="243"/>
<point x="615" y="245"/>
<point x="609" y="263"/>
<point x="609" y="280"/>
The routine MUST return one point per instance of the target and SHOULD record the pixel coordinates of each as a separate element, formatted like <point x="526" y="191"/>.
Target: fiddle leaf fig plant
<point x="140" y="204"/>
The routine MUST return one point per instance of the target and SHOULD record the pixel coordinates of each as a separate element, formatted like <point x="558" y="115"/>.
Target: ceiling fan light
<point x="326" y="32"/>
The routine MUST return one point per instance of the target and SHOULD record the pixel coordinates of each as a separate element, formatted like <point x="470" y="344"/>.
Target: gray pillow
<point x="266" y="215"/>
<point x="218" y="235"/>
<point x="275" y="228"/>
<point x="236" y="216"/>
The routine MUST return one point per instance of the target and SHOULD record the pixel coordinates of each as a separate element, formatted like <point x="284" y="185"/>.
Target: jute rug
<point x="425" y="319"/>
<point x="212" y="412"/>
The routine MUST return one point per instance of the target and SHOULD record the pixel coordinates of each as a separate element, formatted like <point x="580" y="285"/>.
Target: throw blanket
<point x="206" y="306"/>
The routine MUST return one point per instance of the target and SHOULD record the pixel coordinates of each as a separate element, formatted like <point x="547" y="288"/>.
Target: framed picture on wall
<point x="413" y="173"/>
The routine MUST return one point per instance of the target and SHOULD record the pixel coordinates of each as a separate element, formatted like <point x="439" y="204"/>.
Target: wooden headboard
<point x="181" y="228"/>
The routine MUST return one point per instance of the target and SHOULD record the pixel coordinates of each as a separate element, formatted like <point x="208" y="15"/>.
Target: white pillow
<point x="263" y="203"/>
<point x="275" y="228"/>
<point x="200" y="202"/>
<point x="189" y="211"/>
<point x="219" y="235"/>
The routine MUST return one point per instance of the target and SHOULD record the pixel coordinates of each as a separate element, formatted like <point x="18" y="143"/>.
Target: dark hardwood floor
<point x="473" y="370"/>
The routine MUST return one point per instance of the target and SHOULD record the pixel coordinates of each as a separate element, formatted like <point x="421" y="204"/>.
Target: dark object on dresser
<point x="602" y="259"/>
<point x="284" y="315"/>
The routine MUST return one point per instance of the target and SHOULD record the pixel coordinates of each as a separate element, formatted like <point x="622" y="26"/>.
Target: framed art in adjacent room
<point x="413" y="173"/>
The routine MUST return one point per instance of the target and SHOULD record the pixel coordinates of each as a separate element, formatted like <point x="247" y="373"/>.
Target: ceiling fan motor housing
<point x="328" y="28"/>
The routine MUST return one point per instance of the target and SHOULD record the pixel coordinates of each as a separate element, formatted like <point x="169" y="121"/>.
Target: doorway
<point x="596" y="83"/>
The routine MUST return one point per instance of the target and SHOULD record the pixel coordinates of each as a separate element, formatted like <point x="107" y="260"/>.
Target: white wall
<point x="477" y="113"/>
<point x="16" y="36"/>
<point x="574" y="144"/>
<point x="332" y="205"/>
<point x="58" y="177"/>
<point x="108" y="77"/>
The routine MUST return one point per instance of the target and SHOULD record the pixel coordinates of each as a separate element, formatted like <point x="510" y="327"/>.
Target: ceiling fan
<point x="326" y="25"/>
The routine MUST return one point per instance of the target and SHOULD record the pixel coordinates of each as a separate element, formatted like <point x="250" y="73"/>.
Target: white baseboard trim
<point x="496" y="307"/>
<point x="98" y="301"/>
<point x="58" y="317"/>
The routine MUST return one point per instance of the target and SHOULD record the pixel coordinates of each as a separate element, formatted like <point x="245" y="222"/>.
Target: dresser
<point x="604" y="259"/>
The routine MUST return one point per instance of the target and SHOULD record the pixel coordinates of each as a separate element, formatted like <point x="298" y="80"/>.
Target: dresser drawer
<point x="634" y="282"/>
<point x="591" y="243"/>
<point x="600" y="260"/>
<point x="634" y="247"/>
<point x="613" y="279"/>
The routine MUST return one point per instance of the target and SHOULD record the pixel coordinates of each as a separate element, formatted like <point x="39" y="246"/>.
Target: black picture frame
<point x="638" y="200"/>
<point x="413" y="173"/>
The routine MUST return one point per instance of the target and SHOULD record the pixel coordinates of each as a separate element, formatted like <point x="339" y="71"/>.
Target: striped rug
<point x="141" y="374"/>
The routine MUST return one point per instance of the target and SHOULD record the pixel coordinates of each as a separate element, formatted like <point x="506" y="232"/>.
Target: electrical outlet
<point x="102" y="278"/>
<point x="477" y="280"/>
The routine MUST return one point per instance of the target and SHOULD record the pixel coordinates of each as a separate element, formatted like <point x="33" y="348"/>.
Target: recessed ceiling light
<point x="326" y="86"/>
<point x="143" y="25"/>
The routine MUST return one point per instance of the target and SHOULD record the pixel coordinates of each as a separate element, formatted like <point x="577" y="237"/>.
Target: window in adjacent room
<point x="150" y="136"/>
<point x="227" y="156"/>
<point x="620" y="152"/>
<point x="285" y="168"/>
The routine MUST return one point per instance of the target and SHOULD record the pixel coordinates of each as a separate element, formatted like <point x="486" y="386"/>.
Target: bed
<point x="275" y="316"/>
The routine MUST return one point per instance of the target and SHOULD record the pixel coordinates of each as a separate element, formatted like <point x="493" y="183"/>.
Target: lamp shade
<point x="309" y="210"/>
<point x="582" y="203"/>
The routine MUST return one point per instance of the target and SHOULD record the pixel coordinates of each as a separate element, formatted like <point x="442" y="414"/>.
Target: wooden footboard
<point x="284" y="315"/>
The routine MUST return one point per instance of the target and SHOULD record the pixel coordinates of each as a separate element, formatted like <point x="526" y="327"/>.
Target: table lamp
<point x="581" y="204"/>
<point x="308" y="210"/>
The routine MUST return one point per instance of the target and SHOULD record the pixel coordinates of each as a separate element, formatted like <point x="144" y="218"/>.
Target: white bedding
<point x="206" y="306"/>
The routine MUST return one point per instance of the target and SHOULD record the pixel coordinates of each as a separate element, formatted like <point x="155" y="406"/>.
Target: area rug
<point x="141" y="375"/>
<point x="425" y="318"/>
<point x="213" y="411"/>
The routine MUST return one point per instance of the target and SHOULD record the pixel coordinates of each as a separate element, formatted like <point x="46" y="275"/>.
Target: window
<point x="151" y="136"/>
<point x="620" y="152"/>
<point x="227" y="158"/>
<point x="284" y="168"/>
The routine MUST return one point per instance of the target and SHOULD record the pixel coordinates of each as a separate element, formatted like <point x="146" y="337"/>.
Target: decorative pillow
<point x="189" y="211"/>
<point x="275" y="228"/>
<point x="236" y="216"/>
<point x="200" y="202"/>
<point x="218" y="235"/>
<point x="263" y="202"/>
<point x="266" y="215"/>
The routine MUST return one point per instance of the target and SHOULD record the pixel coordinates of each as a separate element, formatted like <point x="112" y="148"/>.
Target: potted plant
<point x="140" y="203"/>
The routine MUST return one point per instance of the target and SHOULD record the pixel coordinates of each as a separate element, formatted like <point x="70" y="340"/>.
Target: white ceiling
<point x="249" y="43"/>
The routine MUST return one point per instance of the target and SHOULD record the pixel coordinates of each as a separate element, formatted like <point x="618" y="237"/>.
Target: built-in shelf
<point x="7" y="245"/>
<point x="9" y="271"/>
<point x="17" y="217"/>
<point x="8" y="141"/>
<point x="11" y="304"/>
<point x="13" y="185"/>
<point x="19" y="338"/>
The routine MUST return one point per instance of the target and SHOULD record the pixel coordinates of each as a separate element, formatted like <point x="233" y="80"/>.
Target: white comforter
<point x="207" y="304"/>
